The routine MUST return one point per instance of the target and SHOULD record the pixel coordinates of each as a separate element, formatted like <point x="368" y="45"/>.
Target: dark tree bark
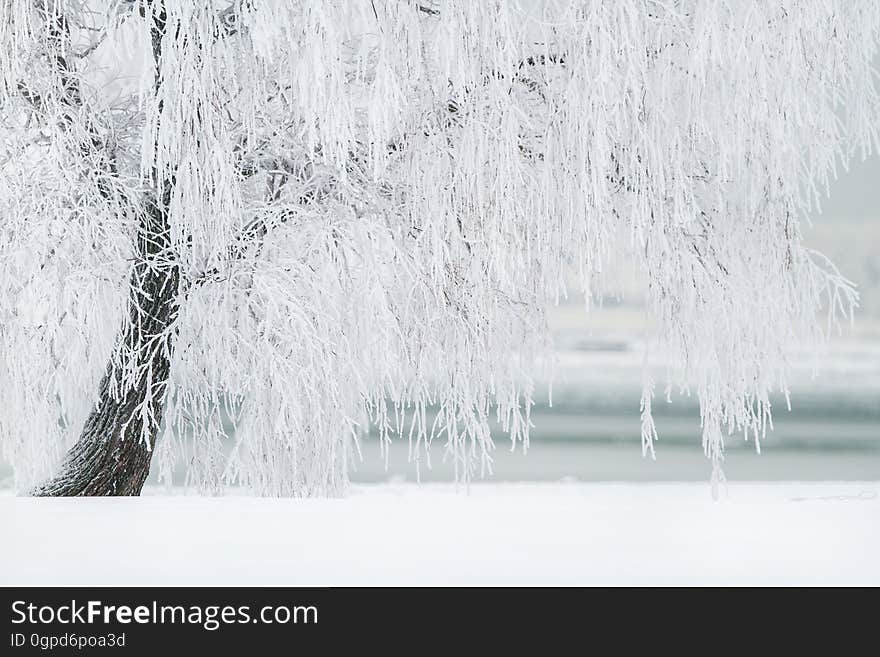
<point x="113" y="453"/>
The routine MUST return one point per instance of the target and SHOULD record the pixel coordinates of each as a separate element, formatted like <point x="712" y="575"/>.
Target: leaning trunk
<point x="113" y="453"/>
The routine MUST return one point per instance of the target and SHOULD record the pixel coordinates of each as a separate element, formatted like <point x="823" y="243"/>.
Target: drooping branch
<point x="68" y="96"/>
<point x="402" y="193"/>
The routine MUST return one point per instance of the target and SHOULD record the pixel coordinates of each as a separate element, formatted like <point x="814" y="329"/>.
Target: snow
<point x="561" y="533"/>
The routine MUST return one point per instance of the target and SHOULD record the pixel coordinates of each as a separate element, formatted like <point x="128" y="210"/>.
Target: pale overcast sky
<point x="856" y="194"/>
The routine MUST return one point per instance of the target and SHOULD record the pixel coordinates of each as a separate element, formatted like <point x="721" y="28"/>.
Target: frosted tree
<point x="302" y="219"/>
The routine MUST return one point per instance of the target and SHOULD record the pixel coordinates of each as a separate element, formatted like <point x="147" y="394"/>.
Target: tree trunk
<point x="113" y="453"/>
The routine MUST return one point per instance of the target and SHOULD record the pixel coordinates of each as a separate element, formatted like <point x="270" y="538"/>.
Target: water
<point x="592" y="431"/>
<point x="594" y="435"/>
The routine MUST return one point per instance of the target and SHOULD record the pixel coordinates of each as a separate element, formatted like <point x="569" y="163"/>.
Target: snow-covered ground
<point x="561" y="533"/>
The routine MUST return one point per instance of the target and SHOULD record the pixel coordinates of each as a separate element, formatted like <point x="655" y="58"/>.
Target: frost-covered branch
<point x="372" y="205"/>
